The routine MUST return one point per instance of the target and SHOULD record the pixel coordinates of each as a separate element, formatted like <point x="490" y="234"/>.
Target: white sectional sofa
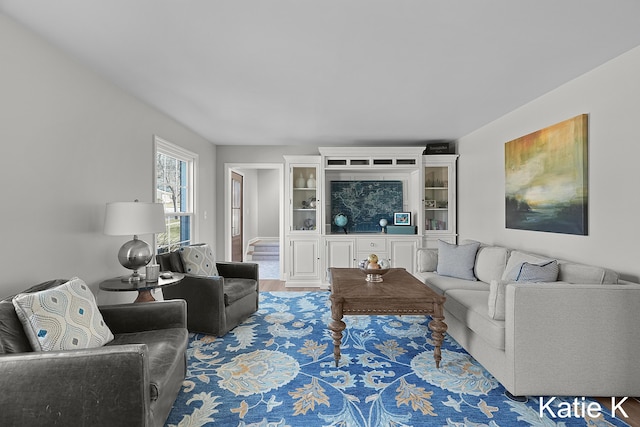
<point x="577" y="336"/>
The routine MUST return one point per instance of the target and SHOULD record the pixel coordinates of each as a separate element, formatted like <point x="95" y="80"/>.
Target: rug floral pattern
<point x="277" y="369"/>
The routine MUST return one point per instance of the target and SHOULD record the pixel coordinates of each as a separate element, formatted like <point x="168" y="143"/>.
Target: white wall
<point x="610" y="94"/>
<point x="268" y="202"/>
<point x="70" y="142"/>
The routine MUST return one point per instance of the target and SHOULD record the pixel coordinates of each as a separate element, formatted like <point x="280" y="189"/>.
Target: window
<point x="175" y="189"/>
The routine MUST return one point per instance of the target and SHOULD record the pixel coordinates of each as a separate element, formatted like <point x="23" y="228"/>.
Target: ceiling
<point x="333" y="72"/>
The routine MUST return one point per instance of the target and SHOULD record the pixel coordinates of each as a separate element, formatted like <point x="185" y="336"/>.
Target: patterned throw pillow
<point x="62" y="318"/>
<point x="545" y="272"/>
<point x="198" y="260"/>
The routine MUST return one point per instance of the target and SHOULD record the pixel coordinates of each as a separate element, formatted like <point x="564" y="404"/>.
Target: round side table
<point x="143" y="287"/>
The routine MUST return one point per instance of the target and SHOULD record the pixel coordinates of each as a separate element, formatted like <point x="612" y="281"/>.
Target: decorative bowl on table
<point x="374" y="268"/>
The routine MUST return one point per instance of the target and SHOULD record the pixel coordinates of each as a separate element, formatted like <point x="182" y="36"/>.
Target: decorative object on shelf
<point x="443" y="204"/>
<point x="546" y="179"/>
<point x="311" y="182"/>
<point x="134" y="218"/>
<point x="309" y="224"/>
<point x="429" y="203"/>
<point x="301" y="182"/>
<point x="439" y="148"/>
<point x="309" y="203"/>
<point x="383" y="223"/>
<point x="341" y="221"/>
<point x="374" y="268"/>
<point x="402" y="218"/>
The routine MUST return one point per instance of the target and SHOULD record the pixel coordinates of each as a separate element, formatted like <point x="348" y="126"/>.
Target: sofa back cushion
<point x="490" y="263"/>
<point x="587" y="274"/>
<point x="12" y="336"/>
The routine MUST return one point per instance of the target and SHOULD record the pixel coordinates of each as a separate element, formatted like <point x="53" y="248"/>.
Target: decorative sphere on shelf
<point x="383" y="222"/>
<point x="340" y="220"/>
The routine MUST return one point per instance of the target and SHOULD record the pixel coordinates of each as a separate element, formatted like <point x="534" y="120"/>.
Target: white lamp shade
<point x="133" y="218"/>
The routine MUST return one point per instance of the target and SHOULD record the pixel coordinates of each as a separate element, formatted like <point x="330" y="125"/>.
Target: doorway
<point x="262" y="214"/>
<point x="237" y="246"/>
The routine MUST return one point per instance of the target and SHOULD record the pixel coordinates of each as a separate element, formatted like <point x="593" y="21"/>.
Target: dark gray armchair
<point x="132" y="381"/>
<point x="215" y="304"/>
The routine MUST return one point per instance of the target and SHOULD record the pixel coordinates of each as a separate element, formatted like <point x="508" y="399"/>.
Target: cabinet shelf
<point x="303" y="210"/>
<point x="436" y="188"/>
<point x="304" y="189"/>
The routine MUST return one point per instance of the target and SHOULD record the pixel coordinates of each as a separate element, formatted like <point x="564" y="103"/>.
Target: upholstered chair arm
<point x="205" y="299"/>
<point x="241" y="270"/>
<point x="101" y="386"/>
<point x="145" y="316"/>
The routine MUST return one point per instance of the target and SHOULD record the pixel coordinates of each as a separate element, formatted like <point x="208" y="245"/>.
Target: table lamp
<point x="134" y="218"/>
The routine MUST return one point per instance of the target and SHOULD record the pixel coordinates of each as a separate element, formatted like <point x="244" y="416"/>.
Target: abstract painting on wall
<point x="546" y="179"/>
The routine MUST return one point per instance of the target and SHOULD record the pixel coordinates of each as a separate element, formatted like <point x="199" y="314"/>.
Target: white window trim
<point x="173" y="150"/>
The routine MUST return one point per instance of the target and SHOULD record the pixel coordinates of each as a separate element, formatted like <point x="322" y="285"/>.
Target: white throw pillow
<point x="427" y="259"/>
<point x="198" y="260"/>
<point x="497" y="289"/>
<point x="62" y="318"/>
<point x="457" y="260"/>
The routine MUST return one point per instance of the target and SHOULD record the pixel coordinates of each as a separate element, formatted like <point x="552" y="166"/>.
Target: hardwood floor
<point x="631" y="406"/>
<point x="278" y="285"/>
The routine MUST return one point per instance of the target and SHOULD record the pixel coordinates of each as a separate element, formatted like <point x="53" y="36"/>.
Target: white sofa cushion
<point x="490" y="263"/>
<point x="427" y="259"/>
<point x="515" y="262"/>
<point x="588" y="274"/>
<point x="442" y="284"/>
<point x="470" y="307"/>
<point x="496" y="299"/>
<point x="457" y="260"/>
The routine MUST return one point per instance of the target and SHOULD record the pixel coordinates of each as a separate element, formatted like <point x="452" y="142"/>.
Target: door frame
<point x="237" y="168"/>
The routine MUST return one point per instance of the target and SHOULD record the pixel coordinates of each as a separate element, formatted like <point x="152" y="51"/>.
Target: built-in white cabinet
<point x="303" y="256"/>
<point x="439" y="199"/>
<point x="316" y="186"/>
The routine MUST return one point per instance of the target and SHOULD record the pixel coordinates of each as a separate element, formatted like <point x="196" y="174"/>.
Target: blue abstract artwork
<point x="365" y="203"/>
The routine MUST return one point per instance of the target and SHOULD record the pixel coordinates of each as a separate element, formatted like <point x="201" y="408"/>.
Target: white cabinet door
<point x="403" y="254"/>
<point x="340" y="253"/>
<point x="304" y="259"/>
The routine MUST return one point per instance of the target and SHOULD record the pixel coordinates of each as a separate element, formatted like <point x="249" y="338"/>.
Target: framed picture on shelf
<point x="402" y="218"/>
<point x="429" y="203"/>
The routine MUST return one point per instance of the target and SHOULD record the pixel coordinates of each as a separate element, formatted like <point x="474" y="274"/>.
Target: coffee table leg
<point x="336" y="326"/>
<point x="438" y="329"/>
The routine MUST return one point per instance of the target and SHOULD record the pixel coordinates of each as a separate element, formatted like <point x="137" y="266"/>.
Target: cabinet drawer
<point x="372" y="245"/>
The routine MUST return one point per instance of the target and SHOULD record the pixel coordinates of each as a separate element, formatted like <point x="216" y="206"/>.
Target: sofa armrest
<point x="240" y="270"/>
<point x="560" y="332"/>
<point x="101" y="386"/>
<point x="145" y="316"/>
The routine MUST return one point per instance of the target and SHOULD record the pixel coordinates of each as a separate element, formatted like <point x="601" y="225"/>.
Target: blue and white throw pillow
<point x="62" y="318"/>
<point x="544" y="272"/>
<point x="457" y="260"/>
<point x="198" y="260"/>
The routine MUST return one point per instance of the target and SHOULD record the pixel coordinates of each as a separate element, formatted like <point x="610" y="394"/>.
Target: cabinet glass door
<point x="436" y="198"/>
<point x="304" y="198"/>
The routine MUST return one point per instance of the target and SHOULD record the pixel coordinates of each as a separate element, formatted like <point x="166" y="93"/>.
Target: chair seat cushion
<point x="166" y="352"/>
<point x="235" y="289"/>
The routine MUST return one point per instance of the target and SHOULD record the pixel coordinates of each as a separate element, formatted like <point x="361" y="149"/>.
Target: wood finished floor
<point x="631" y="406"/>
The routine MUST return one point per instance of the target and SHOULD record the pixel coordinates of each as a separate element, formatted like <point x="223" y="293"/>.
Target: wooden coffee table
<point x="399" y="293"/>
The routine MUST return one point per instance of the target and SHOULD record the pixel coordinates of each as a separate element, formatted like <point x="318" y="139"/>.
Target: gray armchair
<point x="215" y="304"/>
<point x="133" y="380"/>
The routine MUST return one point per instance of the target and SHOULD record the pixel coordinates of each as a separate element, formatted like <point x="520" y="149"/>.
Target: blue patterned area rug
<point x="277" y="370"/>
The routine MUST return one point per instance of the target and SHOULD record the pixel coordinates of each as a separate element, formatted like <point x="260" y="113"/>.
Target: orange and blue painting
<point x="546" y="185"/>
